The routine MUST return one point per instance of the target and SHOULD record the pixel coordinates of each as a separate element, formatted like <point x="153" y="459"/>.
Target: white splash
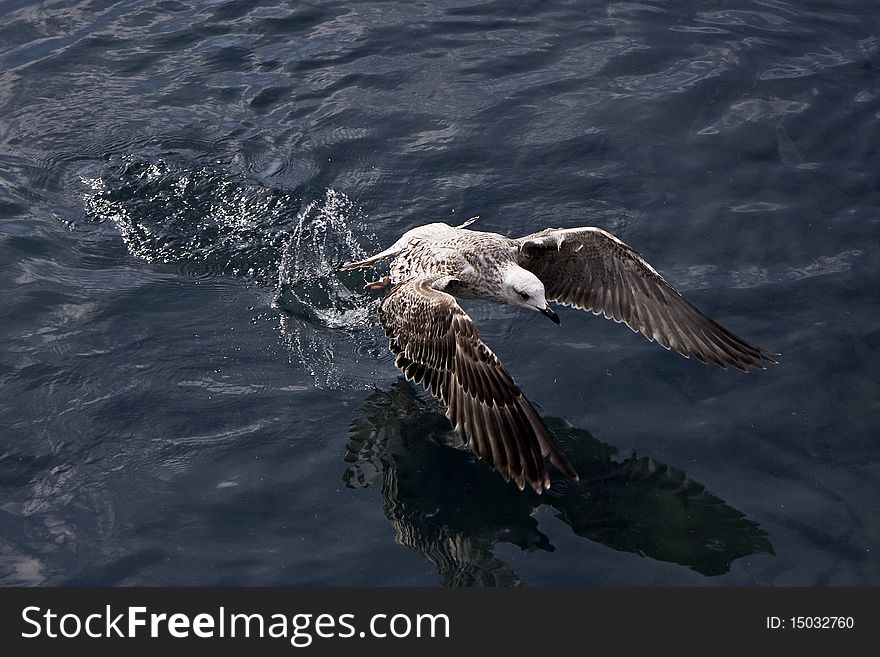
<point x="323" y="312"/>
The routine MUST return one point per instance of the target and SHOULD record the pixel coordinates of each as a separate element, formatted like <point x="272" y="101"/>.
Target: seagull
<point x="435" y="342"/>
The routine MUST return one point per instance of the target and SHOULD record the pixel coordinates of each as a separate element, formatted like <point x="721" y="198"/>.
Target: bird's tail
<point x="372" y="260"/>
<point x="420" y="232"/>
<point x="468" y="222"/>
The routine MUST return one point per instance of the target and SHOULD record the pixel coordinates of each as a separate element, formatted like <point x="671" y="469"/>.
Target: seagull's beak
<point x="548" y="312"/>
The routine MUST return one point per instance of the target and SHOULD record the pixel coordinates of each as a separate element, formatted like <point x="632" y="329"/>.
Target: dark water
<point x="191" y="394"/>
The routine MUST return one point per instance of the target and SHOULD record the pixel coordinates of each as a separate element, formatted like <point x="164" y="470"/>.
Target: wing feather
<point x="590" y="269"/>
<point x="436" y="344"/>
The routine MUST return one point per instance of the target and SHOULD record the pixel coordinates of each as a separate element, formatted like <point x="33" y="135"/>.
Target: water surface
<point x="192" y="394"/>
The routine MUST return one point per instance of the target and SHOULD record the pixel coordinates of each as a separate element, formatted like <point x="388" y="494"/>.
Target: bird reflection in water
<point x="453" y="510"/>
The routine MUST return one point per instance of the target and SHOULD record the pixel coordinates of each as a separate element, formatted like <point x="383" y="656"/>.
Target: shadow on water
<point x="453" y="510"/>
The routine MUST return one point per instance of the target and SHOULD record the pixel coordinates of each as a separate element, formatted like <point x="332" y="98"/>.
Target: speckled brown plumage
<point x="435" y="342"/>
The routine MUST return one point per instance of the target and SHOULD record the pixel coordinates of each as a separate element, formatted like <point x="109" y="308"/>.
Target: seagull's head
<point x="522" y="288"/>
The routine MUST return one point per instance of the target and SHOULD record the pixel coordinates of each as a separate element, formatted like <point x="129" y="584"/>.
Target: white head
<point x="522" y="288"/>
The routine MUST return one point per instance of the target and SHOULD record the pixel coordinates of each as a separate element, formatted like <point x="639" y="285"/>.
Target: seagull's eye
<point x="523" y="296"/>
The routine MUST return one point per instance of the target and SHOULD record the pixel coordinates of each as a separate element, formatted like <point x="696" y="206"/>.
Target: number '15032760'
<point x="810" y="622"/>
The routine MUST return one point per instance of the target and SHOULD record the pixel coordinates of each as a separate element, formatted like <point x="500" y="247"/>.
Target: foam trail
<point x="211" y="223"/>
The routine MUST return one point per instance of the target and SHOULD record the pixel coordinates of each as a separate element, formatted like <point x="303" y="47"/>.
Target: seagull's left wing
<point x="436" y="344"/>
<point x="590" y="269"/>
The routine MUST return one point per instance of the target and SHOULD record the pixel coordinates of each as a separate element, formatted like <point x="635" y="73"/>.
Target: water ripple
<point x="682" y="75"/>
<point x="759" y="20"/>
<point x="753" y="110"/>
<point x="816" y="62"/>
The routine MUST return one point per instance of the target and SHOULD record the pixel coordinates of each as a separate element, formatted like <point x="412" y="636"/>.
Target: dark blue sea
<point x="192" y="393"/>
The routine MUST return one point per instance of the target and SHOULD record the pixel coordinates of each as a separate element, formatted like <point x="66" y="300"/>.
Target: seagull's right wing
<point x="436" y="344"/>
<point x="591" y="269"/>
